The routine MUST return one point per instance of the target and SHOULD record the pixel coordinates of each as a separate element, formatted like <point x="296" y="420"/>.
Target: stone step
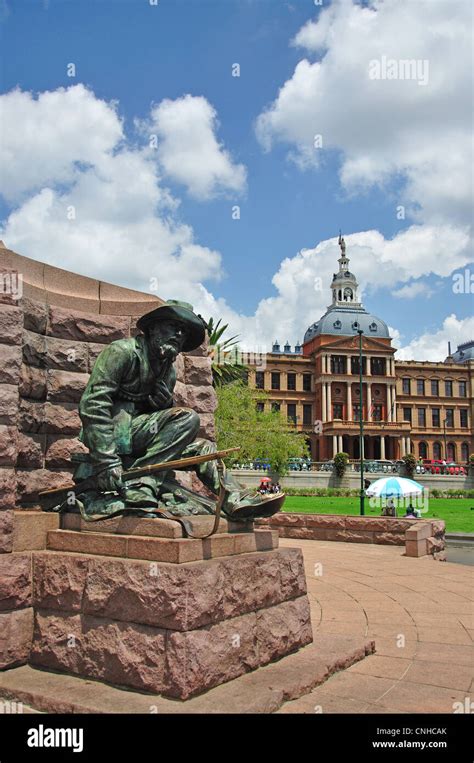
<point x="261" y="691"/>
<point x="156" y="527"/>
<point x="173" y="550"/>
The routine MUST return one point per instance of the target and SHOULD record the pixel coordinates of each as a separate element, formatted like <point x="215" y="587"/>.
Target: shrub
<point x="340" y="463"/>
<point x="410" y="464"/>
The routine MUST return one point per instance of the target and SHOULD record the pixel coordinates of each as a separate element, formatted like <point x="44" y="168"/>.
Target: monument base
<point x="141" y="616"/>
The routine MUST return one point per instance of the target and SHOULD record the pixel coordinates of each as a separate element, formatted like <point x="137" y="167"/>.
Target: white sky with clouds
<point x="68" y="148"/>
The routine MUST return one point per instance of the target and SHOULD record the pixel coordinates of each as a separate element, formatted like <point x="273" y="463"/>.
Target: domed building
<point x="416" y="407"/>
<point x="332" y="344"/>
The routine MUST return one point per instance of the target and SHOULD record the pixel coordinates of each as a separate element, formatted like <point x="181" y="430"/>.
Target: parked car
<point x="381" y="466"/>
<point x="435" y="466"/>
<point x="453" y="468"/>
<point x="328" y="466"/>
<point x="261" y="464"/>
<point x="299" y="464"/>
<point x="386" y="466"/>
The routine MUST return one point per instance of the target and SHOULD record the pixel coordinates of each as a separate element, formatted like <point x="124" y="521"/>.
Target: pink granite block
<point x="15" y="581"/>
<point x="11" y="324"/>
<point x="7" y="488"/>
<point x="6" y="531"/>
<point x="120" y="653"/>
<point x="199" y="659"/>
<point x="75" y="325"/>
<point x="283" y="628"/>
<point x="16" y="630"/>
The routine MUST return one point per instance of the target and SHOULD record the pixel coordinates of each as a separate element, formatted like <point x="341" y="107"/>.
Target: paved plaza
<point x="420" y="612"/>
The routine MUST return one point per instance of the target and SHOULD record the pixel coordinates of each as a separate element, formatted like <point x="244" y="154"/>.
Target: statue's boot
<point x="239" y="503"/>
<point x="246" y="504"/>
<point x="141" y="493"/>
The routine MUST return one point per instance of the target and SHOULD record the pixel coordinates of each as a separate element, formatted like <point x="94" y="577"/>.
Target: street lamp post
<point x="444" y="437"/>
<point x="361" y="428"/>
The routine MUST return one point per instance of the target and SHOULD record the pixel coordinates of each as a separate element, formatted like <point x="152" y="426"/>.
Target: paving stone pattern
<point x="420" y="613"/>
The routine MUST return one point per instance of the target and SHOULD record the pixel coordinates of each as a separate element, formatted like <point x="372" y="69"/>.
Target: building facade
<point x="415" y="407"/>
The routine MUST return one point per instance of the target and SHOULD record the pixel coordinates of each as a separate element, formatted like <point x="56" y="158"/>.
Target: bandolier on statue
<point x="133" y="430"/>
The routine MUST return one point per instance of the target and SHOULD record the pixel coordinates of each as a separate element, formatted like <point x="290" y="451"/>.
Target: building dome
<point x="345" y="321"/>
<point x="346" y="315"/>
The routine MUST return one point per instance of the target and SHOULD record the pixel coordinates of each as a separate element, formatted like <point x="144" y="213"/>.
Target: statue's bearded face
<point x="166" y="338"/>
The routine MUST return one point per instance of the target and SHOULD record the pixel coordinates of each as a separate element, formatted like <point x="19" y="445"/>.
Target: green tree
<point x="225" y="354"/>
<point x="259" y="434"/>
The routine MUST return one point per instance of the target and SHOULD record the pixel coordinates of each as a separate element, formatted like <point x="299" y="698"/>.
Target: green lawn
<point x="456" y="512"/>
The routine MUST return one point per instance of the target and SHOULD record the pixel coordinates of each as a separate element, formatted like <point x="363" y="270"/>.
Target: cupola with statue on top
<point x="344" y="283"/>
<point x="345" y="316"/>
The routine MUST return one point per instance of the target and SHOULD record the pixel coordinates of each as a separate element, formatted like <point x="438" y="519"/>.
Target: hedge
<point x="354" y="493"/>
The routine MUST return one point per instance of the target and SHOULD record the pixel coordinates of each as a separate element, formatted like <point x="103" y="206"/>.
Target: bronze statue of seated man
<point x="129" y="421"/>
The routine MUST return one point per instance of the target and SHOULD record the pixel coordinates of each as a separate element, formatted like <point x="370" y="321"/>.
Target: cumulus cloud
<point x="302" y="282"/>
<point x="381" y="131"/>
<point x="385" y="129"/>
<point x="100" y="207"/>
<point x="434" y="345"/>
<point x="189" y="151"/>
<point x="50" y="139"/>
<point x="412" y="290"/>
<point x="89" y="201"/>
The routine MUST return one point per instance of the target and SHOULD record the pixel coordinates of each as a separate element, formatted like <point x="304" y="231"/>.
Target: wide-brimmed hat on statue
<point x="174" y="310"/>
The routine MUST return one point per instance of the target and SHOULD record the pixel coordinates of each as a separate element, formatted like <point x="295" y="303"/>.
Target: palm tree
<point x="226" y="366"/>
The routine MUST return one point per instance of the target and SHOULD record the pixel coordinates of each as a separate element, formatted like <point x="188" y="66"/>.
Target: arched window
<point x="348" y="295"/>
<point x="464" y="452"/>
<point x="423" y="450"/>
<point x="437" y="451"/>
<point x="451" y="451"/>
<point x="340" y="295"/>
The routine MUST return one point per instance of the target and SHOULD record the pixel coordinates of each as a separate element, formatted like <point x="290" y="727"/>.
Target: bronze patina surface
<point x="129" y="421"/>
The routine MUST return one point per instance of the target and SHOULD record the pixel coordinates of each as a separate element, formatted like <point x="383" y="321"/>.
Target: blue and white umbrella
<point x="394" y="487"/>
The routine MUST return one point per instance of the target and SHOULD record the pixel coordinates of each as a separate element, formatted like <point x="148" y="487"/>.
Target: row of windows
<point x="338" y="366"/>
<point x="375" y="410"/>
<point x="438" y="451"/>
<point x="421" y="387"/>
<point x="276" y="381"/>
<point x="291" y="412"/>
<point x="378" y="366"/>
<point x="436" y="417"/>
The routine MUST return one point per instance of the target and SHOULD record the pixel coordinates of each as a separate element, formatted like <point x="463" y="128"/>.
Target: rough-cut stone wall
<point x="46" y="354"/>
<point x="53" y="324"/>
<point x="174" y="630"/>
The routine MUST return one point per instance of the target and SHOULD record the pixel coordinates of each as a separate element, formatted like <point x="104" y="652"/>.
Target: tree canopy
<point x="263" y="434"/>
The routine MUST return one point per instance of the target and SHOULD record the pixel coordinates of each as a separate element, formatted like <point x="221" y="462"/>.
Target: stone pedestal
<point x="138" y="606"/>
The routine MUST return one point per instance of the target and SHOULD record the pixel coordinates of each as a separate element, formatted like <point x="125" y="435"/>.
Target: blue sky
<point x="381" y="149"/>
